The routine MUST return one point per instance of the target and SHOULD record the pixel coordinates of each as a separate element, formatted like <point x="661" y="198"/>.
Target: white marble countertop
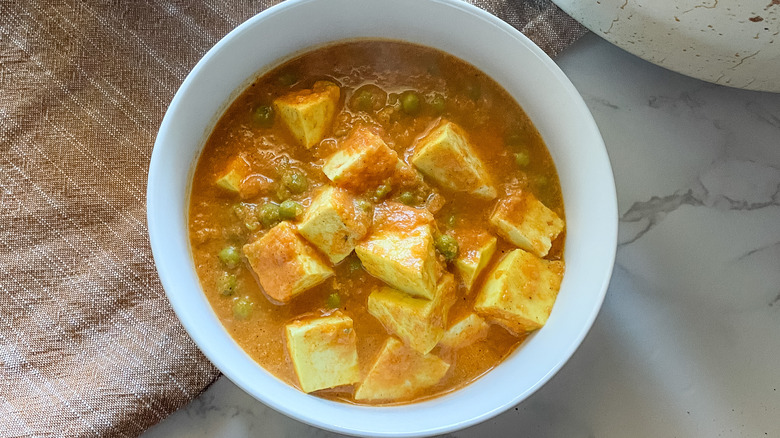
<point x="688" y="341"/>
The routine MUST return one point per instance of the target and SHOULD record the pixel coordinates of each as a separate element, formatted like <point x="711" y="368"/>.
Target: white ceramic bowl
<point x="496" y="48"/>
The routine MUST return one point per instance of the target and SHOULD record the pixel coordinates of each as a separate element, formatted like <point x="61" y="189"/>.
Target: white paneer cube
<point x="446" y="156"/>
<point x="399" y="249"/>
<point x="237" y="169"/>
<point x="465" y="332"/>
<point x="323" y="351"/>
<point x="418" y="322"/>
<point x="476" y="248"/>
<point x="520" y="291"/>
<point x="363" y="162"/>
<point x="399" y="373"/>
<point x="524" y="221"/>
<point x="334" y="224"/>
<point x="285" y="264"/>
<point x="309" y="113"/>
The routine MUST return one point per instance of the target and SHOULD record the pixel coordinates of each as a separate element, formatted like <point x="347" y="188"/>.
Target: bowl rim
<point x="192" y="326"/>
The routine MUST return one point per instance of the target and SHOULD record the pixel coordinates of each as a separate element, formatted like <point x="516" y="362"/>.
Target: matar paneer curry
<point x="377" y="222"/>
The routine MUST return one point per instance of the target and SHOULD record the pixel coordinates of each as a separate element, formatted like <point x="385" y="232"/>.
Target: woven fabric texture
<point x="88" y="343"/>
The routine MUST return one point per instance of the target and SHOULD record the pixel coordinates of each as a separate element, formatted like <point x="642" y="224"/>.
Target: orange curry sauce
<point x="446" y="87"/>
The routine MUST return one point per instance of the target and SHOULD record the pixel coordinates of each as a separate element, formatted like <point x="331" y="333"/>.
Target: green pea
<point x="438" y="104"/>
<point x="281" y="193"/>
<point x="447" y="246"/>
<point x="473" y="90"/>
<point x="451" y="220"/>
<point x="355" y="265"/>
<point x="264" y="116"/>
<point x="226" y="284"/>
<point x="269" y="214"/>
<point x="363" y="204"/>
<point x="287" y="78"/>
<point x="364" y="101"/>
<point x="289" y="209"/>
<point x="295" y="181"/>
<point x="382" y="191"/>
<point x="410" y="102"/>
<point x="514" y="138"/>
<point x="541" y="182"/>
<point x="407" y="198"/>
<point x="242" y="308"/>
<point x="230" y="256"/>
<point x="522" y="159"/>
<point x="334" y="301"/>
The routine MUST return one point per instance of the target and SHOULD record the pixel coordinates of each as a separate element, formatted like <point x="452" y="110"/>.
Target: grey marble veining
<point x="688" y="340"/>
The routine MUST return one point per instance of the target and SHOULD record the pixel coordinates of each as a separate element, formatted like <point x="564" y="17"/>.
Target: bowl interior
<point x="471" y="34"/>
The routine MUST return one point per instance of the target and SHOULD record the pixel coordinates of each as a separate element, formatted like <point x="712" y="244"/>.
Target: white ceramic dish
<point x="728" y="42"/>
<point x="471" y="34"/>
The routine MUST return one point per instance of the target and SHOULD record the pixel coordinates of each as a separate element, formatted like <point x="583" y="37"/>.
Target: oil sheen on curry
<point x="377" y="222"/>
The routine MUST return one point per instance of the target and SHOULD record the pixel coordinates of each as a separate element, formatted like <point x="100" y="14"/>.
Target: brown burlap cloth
<point x="88" y="343"/>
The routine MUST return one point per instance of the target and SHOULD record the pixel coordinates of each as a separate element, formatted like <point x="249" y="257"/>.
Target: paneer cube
<point x="237" y="169"/>
<point x="323" y="351"/>
<point x="476" y="250"/>
<point x="399" y="373"/>
<point x="285" y="264"/>
<point x="309" y="113"/>
<point x="524" y="221"/>
<point x="334" y="224"/>
<point x="520" y="291"/>
<point x="363" y="162"/>
<point x="446" y="156"/>
<point x="399" y="249"/>
<point x="420" y="323"/>
<point x="465" y="332"/>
